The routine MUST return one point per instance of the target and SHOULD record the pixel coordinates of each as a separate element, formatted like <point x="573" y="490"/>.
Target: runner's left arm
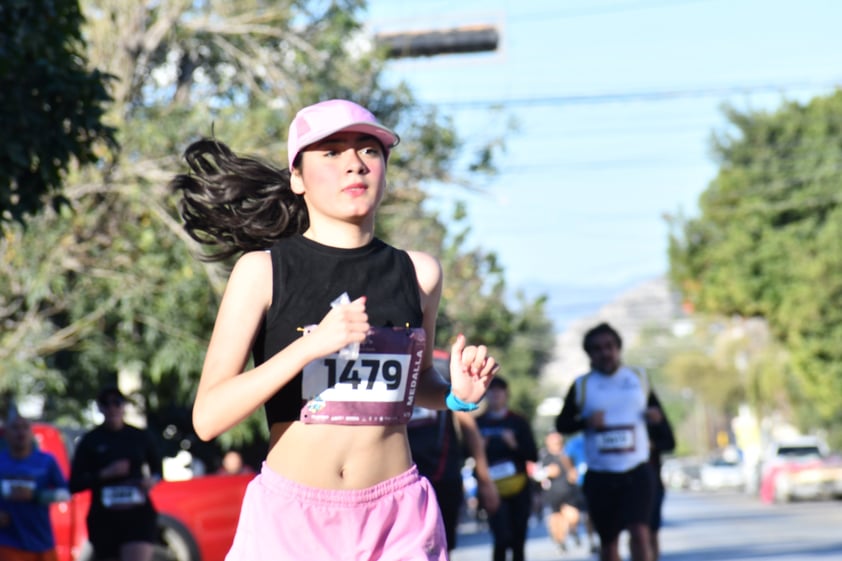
<point x="570" y="419"/>
<point x="487" y="491"/>
<point x="660" y="433"/>
<point x="153" y="460"/>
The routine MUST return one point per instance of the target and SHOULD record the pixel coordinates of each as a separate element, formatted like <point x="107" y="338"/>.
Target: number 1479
<point x="367" y="372"/>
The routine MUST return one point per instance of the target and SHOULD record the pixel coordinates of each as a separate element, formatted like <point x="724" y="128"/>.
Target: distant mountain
<point x="567" y="303"/>
<point x="649" y="303"/>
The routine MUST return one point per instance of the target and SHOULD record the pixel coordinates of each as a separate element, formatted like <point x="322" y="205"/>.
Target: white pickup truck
<point x="800" y="468"/>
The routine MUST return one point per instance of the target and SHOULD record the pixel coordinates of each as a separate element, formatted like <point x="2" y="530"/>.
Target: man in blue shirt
<point x="29" y="481"/>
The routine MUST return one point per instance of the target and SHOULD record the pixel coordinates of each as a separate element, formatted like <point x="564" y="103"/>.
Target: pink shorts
<point x="396" y="520"/>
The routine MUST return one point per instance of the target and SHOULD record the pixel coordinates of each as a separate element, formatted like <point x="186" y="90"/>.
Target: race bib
<point x="501" y="470"/>
<point x="376" y="388"/>
<point x="8" y="486"/>
<point x="615" y="440"/>
<point x="122" y="496"/>
<point x="507" y="479"/>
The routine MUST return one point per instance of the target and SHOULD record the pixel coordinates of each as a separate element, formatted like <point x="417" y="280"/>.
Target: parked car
<point x="720" y="473"/>
<point x="682" y="473"/>
<point x="196" y="517"/>
<point x="800" y="468"/>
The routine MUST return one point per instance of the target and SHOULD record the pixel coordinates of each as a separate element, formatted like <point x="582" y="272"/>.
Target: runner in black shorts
<point x="119" y="463"/>
<point x="613" y="405"/>
<point x="619" y="500"/>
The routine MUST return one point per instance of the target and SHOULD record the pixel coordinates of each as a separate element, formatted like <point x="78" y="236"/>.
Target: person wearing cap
<point x="613" y="405"/>
<point x="120" y="464"/>
<point x="341" y="328"/>
<point x="509" y="447"/>
<point x="30" y="480"/>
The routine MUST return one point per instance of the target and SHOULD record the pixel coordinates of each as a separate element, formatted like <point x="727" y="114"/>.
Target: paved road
<point x="707" y="527"/>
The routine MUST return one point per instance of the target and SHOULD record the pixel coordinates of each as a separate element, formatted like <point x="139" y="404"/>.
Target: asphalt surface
<point x="703" y="526"/>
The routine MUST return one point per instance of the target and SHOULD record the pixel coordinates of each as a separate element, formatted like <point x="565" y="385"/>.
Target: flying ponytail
<point x="236" y="204"/>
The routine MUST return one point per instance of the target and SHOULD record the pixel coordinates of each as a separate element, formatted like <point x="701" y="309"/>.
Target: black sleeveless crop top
<point x="308" y="276"/>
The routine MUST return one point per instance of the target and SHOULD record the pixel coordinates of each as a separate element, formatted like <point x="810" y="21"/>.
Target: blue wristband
<point x="455" y="404"/>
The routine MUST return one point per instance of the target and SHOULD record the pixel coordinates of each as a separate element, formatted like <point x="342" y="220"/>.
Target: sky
<point x="614" y="104"/>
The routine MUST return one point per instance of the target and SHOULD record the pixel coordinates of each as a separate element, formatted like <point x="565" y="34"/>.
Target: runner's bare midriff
<point x="338" y="456"/>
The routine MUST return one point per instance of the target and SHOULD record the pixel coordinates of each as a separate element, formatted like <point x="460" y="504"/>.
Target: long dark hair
<point x="235" y="204"/>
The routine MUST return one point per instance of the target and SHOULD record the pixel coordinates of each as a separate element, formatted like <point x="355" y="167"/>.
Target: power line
<point x="644" y="96"/>
<point x="600" y="11"/>
<point x="590" y="10"/>
<point x="785" y="162"/>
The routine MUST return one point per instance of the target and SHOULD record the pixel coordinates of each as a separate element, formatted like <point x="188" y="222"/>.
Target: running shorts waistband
<point x="277" y="483"/>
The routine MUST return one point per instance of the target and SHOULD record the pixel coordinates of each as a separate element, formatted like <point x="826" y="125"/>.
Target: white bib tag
<point x="122" y="496"/>
<point x="501" y="470"/>
<point x="9" y="485"/>
<point x="615" y="440"/>
<point x="375" y="388"/>
<point x="370" y="378"/>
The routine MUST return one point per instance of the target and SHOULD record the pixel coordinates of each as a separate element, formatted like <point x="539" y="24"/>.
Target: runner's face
<point x="112" y="409"/>
<point x="554" y="442"/>
<point x="342" y="177"/>
<point x="19" y="435"/>
<point x="497" y="398"/>
<point x="604" y="353"/>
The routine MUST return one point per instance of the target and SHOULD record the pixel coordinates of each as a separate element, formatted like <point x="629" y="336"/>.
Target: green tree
<point x="51" y="105"/>
<point x="111" y="283"/>
<point x="475" y="302"/>
<point x="696" y="375"/>
<point x="768" y="241"/>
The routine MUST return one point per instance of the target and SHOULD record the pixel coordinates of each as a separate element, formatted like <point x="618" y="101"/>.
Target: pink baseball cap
<point x="320" y="120"/>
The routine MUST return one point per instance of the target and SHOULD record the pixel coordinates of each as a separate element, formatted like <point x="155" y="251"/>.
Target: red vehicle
<point x="800" y="469"/>
<point x="197" y="517"/>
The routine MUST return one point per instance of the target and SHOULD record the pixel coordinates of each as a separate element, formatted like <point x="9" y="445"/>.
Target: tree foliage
<point x="111" y="283"/>
<point x="706" y="371"/>
<point x="51" y="105"/>
<point x="768" y="241"/>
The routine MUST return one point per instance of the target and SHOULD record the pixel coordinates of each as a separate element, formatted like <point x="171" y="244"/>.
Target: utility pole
<point x="465" y="39"/>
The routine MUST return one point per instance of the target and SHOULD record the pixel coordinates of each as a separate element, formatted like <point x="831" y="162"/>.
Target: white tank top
<point x="623" y="442"/>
